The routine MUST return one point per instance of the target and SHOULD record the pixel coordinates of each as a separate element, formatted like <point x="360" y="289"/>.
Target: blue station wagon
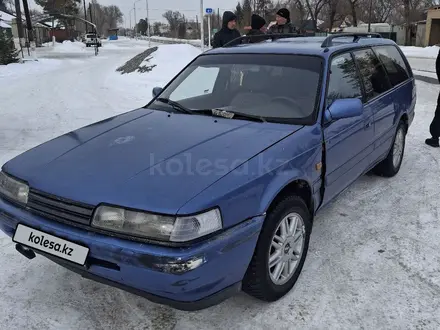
<point x="212" y="187"/>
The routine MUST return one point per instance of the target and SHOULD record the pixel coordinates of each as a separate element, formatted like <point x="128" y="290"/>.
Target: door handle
<point x="368" y="125"/>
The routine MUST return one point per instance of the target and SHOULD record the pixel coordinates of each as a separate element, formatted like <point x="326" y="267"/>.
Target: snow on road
<point x="420" y="52"/>
<point x="422" y="59"/>
<point x="374" y="256"/>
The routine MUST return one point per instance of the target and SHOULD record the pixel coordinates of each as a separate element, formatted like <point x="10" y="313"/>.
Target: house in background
<point x="5" y="28"/>
<point x="432" y="27"/>
<point x="41" y="31"/>
<point x="420" y="33"/>
<point x="389" y="31"/>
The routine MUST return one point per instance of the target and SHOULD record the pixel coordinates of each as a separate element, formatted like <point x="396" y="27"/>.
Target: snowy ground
<point x="422" y="60"/>
<point x="374" y="259"/>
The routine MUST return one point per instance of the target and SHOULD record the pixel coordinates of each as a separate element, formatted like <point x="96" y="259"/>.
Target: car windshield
<point x="280" y="88"/>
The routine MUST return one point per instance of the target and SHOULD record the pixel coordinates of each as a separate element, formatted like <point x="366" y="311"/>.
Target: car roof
<point x="301" y="46"/>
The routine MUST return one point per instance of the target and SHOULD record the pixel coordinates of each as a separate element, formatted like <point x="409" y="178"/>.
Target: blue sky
<point x="190" y="8"/>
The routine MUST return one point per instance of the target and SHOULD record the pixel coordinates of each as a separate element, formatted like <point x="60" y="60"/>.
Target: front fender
<point x="280" y="181"/>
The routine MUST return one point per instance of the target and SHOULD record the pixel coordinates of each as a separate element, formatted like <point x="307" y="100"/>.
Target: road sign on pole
<point x="209" y="12"/>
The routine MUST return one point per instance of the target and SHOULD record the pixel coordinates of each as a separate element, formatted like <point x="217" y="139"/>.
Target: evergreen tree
<point x="239" y="13"/>
<point x="8" y="53"/>
<point x="247" y="12"/>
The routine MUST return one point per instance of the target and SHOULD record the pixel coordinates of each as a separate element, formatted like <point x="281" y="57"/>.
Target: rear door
<point x="400" y="97"/>
<point x="378" y="98"/>
<point x="349" y="141"/>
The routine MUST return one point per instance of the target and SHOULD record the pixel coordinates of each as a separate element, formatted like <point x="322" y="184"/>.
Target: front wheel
<point x="281" y="251"/>
<point x="390" y="166"/>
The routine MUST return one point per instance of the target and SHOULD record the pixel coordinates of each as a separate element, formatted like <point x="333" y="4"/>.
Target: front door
<point x="350" y="141"/>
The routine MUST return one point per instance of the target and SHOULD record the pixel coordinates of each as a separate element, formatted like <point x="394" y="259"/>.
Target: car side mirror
<point x="157" y="91"/>
<point x="343" y="108"/>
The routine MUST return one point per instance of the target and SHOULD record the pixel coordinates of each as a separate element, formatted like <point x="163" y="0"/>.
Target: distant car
<point x="212" y="187"/>
<point x="91" y="39"/>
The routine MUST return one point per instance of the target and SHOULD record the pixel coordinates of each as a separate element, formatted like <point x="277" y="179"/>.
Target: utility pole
<point x="85" y="16"/>
<point x="135" y="21"/>
<point x="29" y="28"/>
<point x="90" y="12"/>
<point x="19" y="25"/>
<point x="91" y="16"/>
<point x="369" y="16"/>
<point x="202" y="28"/>
<point x="148" y="25"/>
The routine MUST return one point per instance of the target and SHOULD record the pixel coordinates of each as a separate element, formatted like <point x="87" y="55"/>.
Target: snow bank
<point x="194" y="42"/>
<point x="422" y="52"/>
<point x="169" y="60"/>
<point x="124" y="44"/>
<point x="67" y="47"/>
<point x="174" y="39"/>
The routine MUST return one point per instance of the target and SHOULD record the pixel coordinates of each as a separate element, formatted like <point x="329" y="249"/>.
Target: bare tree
<point x="409" y="11"/>
<point x="353" y="10"/>
<point x="380" y="13"/>
<point x="113" y="16"/>
<point x="298" y="10"/>
<point x="105" y="17"/>
<point x="174" y="18"/>
<point x="314" y="8"/>
<point x="382" y="10"/>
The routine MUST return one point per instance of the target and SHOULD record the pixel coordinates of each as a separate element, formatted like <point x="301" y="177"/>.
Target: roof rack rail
<point x="274" y="36"/>
<point x="356" y="36"/>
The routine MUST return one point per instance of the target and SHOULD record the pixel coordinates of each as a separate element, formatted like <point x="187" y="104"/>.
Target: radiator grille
<point x="58" y="208"/>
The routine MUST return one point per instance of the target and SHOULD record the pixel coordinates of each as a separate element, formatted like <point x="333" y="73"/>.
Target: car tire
<point x="260" y="280"/>
<point x="390" y="166"/>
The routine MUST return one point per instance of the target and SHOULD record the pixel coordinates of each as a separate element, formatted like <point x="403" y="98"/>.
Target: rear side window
<point x="394" y="64"/>
<point x="344" y="80"/>
<point x="373" y="73"/>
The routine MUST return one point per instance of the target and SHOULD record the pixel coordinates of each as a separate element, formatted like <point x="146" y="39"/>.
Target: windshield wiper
<point x="230" y="114"/>
<point x="176" y="105"/>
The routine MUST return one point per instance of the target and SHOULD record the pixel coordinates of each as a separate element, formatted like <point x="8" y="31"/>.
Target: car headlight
<point x="160" y="227"/>
<point x="13" y="189"/>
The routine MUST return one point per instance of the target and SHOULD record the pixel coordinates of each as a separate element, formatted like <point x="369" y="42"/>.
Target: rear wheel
<point x="281" y="251"/>
<point x="390" y="166"/>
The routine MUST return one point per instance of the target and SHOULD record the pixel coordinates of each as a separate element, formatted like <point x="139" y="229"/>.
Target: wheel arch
<point x="404" y="118"/>
<point x="297" y="187"/>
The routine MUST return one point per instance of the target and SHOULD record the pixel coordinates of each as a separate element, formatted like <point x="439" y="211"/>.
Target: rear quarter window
<point x="373" y="73"/>
<point x="394" y="64"/>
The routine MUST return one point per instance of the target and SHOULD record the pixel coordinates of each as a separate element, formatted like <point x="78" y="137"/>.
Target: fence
<point x="165" y="40"/>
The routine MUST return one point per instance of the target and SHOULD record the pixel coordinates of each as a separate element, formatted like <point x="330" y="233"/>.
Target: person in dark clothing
<point x="228" y="32"/>
<point x="283" y="24"/>
<point x="434" y="129"/>
<point x="257" y="25"/>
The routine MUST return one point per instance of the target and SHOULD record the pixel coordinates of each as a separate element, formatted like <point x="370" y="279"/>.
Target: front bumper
<point x="163" y="275"/>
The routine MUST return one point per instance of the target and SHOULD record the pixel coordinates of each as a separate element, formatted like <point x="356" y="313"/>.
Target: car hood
<point x="144" y="159"/>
